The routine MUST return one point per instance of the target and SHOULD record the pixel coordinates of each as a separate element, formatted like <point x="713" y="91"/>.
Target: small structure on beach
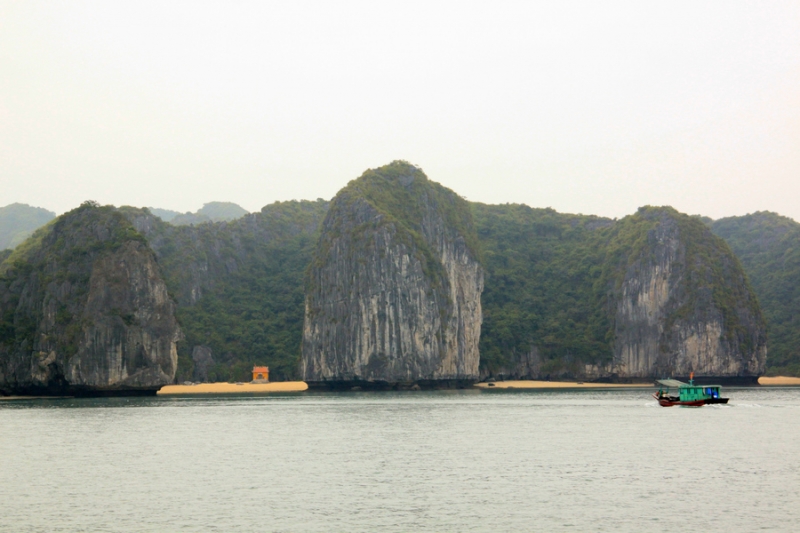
<point x="260" y="374"/>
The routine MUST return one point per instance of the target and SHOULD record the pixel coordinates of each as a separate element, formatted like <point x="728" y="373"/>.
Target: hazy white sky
<point x="592" y="107"/>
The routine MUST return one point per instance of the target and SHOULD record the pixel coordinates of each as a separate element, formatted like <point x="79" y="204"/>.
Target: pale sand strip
<point x="561" y="385"/>
<point x="778" y="380"/>
<point x="233" y="388"/>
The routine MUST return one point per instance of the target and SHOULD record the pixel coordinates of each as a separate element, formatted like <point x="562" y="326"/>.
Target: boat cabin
<point x="689" y="392"/>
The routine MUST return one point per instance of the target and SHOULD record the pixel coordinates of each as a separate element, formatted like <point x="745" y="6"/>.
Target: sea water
<point x="411" y="461"/>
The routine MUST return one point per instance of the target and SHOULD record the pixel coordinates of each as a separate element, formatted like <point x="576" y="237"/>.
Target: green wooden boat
<point x="689" y="394"/>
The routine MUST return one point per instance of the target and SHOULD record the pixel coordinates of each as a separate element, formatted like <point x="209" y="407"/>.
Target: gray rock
<point x="203" y="361"/>
<point x="678" y="311"/>
<point x="89" y="310"/>
<point x="394" y="290"/>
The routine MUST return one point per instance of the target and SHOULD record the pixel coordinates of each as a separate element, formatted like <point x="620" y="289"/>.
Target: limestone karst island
<point x="396" y="283"/>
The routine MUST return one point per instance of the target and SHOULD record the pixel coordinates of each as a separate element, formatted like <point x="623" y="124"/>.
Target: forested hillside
<point x="18" y="222"/>
<point x="239" y="288"/>
<point x="542" y="305"/>
<point x="768" y="245"/>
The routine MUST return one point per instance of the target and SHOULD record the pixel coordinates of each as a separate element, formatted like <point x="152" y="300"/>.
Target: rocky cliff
<point x="654" y="294"/>
<point x="682" y="302"/>
<point x="84" y="310"/>
<point x="393" y="292"/>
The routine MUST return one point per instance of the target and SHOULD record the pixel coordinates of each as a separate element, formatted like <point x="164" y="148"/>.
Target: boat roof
<point x="676" y="383"/>
<point x="671" y="382"/>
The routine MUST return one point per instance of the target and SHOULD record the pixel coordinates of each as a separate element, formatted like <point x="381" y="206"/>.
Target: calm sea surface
<point x="414" y="461"/>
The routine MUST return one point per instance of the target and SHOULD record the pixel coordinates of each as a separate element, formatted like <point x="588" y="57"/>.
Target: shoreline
<point x="302" y="386"/>
<point x="535" y="384"/>
<point x="764" y="381"/>
<point x="233" y="388"/>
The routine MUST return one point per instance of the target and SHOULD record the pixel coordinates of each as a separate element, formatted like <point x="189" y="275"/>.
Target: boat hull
<point x="669" y="401"/>
<point x="666" y="402"/>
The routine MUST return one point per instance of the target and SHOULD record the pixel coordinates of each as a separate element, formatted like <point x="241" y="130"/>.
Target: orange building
<point x="261" y="372"/>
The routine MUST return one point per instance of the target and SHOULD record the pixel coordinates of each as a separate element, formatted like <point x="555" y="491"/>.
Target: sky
<point x="585" y="107"/>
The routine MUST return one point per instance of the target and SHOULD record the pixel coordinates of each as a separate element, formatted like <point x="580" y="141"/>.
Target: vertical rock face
<point x="203" y="359"/>
<point x="84" y="309"/>
<point x="393" y="293"/>
<point x="684" y="304"/>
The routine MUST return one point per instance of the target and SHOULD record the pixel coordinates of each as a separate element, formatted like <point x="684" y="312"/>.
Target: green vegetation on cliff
<point x="541" y="293"/>
<point x="394" y="289"/>
<point x="19" y="221"/>
<point x="768" y="245"/>
<point x="57" y="260"/>
<point x="239" y="287"/>
<point x="403" y="194"/>
<point x="88" y="228"/>
<point x="711" y="268"/>
<point x="553" y="282"/>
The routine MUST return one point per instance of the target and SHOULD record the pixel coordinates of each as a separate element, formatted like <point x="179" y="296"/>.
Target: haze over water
<point x="424" y="461"/>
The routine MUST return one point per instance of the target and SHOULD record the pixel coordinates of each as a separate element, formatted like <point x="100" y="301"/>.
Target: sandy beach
<point x="233" y="388"/>
<point x="561" y="385"/>
<point x="778" y="380"/>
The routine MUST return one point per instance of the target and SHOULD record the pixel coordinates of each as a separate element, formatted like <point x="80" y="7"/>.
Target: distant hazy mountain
<point x="164" y="214"/>
<point x="220" y="211"/>
<point x="18" y="221"/>
<point x="189" y="219"/>
<point x="210" y="212"/>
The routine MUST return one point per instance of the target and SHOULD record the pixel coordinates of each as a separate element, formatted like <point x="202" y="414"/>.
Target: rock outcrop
<point x="84" y="310"/>
<point x="393" y="292"/>
<point x="683" y="303"/>
<point x="652" y="295"/>
<point x="203" y="360"/>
